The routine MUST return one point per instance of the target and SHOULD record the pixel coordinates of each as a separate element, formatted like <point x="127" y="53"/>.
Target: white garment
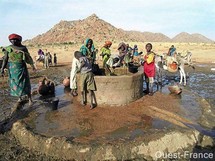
<point x="75" y="68"/>
<point x="46" y="61"/>
<point x="111" y="63"/>
<point x="41" y="56"/>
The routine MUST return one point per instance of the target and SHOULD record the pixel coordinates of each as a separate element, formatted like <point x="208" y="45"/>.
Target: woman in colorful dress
<point x="106" y="52"/>
<point x="16" y="56"/>
<point x="149" y="68"/>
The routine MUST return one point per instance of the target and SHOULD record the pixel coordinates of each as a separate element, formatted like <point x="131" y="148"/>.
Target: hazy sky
<point x="30" y="18"/>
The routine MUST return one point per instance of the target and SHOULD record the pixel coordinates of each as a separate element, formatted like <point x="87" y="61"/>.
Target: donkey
<point x="161" y="64"/>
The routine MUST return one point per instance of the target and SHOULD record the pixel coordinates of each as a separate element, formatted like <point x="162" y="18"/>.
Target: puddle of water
<point x="47" y="122"/>
<point x="201" y="82"/>
<point x="139" y="129"/>
<point x="201" y="65"/>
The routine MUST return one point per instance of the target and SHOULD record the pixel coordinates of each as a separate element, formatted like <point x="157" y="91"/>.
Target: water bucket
<point x="172" y="67"/>
<point x="53" y="103"/>
<point x="175" y="89"/>
<point x="132" y="68"/>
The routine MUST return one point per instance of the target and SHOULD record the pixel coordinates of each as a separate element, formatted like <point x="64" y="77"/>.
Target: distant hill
<point x="148" y="36"/>
<point x="99" y="30"/>
<point x="186" y="37"/>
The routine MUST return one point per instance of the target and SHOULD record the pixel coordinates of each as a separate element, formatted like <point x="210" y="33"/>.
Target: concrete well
<point x="118" y="90"/>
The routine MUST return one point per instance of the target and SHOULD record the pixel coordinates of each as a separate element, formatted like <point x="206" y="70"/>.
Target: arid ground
<point x="201" y="52"/>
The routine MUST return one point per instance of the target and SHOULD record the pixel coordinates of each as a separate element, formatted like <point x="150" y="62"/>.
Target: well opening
<point x="120" y="89"/>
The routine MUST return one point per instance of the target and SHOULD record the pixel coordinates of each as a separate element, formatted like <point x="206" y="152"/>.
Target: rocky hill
<point x="99" y="30"/>
<point x="77" y="31"/>
<point x="148" y="36"/>
<point x="186" y="37"/>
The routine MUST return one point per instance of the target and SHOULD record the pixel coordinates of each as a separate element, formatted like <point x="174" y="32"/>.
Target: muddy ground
<point x="10" y="148"/>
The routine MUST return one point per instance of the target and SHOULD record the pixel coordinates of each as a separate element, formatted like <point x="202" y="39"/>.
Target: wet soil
<point x="102" y="124"/>
<point x="10" y="149"/>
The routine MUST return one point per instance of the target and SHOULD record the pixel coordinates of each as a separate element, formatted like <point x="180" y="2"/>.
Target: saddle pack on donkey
<point x="171" y="64"/>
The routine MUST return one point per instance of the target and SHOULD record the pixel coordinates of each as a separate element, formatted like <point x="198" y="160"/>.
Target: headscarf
<point x="122" y="48"/>
<point x="107" y="43"/>
<point x="40" y="52"/>
<point x="84" y="50"/>
<point x="15" y="36"/>
<point x="122" y="44"/>
<point x="86" y="42"/>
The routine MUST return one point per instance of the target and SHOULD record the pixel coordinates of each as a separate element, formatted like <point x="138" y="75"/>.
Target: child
<point x="87" y="81"/>
<point x="149" y="68"/>
<point x="55" y="59"/>
<point x="75" y="68"/>
<point x="47" y="59"/>
<point x="135" y="54"/>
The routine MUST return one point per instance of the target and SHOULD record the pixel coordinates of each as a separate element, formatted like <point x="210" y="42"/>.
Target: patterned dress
<point x="19" y="80"/>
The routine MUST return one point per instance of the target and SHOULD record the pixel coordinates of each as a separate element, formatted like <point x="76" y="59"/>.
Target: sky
<point x="30" y="18"/>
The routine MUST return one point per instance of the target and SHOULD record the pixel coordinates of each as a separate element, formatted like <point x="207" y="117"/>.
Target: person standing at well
<point x="16" y="56"/>
<point x="106" y="52"/>
<point x="73" y="74"/>
<point x="87" y="82"/>
<point x="149" y="68"/>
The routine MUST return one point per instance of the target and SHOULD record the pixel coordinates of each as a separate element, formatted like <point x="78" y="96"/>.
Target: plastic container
<point x="132" y="68"/>
<point x="175" y="89"/>
<point x="53" y="103"/>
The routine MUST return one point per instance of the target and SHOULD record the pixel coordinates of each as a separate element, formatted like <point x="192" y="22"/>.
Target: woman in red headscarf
<point x="16" y="56"/>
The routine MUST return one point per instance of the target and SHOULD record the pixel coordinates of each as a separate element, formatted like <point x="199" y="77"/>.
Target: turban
<point x="107" y="43"/>
<point x="15" y="36"/>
